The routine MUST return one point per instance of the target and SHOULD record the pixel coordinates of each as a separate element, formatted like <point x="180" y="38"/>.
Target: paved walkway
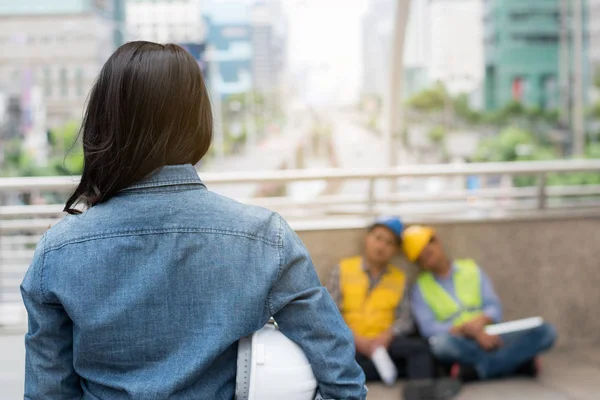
<point x="571" y="375"/>
<point x="566" y="376"/>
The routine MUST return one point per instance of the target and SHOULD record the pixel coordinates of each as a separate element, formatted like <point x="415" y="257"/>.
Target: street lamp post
<point x="394" y="113"/>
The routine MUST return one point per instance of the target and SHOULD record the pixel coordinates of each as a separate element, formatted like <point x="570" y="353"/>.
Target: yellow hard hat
<point x="414" y="240"/>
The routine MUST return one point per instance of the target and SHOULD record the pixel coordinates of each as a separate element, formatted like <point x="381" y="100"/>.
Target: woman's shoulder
<point x="214" y="213"/>
<point x="246" y="218"/>
<point x="64" y="230"/>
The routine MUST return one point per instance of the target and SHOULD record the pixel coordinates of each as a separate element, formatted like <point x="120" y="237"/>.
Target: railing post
<point x="542" y="196"/>
<point x="371" y="198"/>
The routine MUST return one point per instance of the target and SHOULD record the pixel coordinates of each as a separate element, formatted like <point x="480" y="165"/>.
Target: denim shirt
<point x="145" y="296"/>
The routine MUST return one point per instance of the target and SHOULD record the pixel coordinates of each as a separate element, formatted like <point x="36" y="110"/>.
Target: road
<point x="357" y="147"/>
<point x="267" y="155"/>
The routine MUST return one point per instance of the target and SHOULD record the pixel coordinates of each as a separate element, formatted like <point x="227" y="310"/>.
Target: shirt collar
<point x="450" y="276"/>
<point x="365" y="269"/>
<point x="170" y="175"/>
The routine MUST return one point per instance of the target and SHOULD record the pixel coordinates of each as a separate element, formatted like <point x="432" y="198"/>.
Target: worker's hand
<point x="474" y="327"/>
<point x="364" y="346"/>
<point x="384" y="340"/>
<point x="457" y="330"/>
<point x="489" y="342"/>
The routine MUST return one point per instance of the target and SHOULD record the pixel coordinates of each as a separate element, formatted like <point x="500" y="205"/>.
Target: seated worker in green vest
<point x="453" y="301"/>
<point x="370" y="293"/>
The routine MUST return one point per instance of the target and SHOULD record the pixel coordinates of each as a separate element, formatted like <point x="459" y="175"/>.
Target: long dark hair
<point x="148" y="108"/>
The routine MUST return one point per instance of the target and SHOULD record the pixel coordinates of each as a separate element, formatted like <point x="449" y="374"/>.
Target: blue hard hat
<point x="394" y="224"/>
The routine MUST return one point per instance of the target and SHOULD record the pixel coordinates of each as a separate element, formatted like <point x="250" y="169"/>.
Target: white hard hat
<point x="272" y="367"/>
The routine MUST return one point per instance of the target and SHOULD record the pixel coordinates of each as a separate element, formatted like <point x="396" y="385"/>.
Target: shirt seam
<point x="134" y="232"/>
<point x="43" y="267"/>
<point x="279" y="272"/>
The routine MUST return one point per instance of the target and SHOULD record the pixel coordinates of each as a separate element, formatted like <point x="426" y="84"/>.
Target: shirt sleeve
<point x="333" y="286"/>
<point x="491" y="302"/>
<point x="49" y="371"/>
<point x="403" y="324"/>
<point x="428" y="325"/>
<point x="306" y="313"/>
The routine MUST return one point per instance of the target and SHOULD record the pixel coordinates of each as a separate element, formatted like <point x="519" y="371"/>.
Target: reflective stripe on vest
<point x="467" y="286"/>
<point x="369" y="313"/>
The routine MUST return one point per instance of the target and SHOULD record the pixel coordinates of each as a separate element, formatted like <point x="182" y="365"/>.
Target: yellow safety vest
<point x="467" y="286"/>
<point x="369" y="313"/>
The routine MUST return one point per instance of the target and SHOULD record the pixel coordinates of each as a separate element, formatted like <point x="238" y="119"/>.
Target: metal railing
<point x="370" y="197"/>
<point x="21" y="225"/>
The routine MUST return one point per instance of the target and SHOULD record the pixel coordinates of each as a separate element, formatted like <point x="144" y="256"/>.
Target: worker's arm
<point x="49" y="372"/>
<point x="307" y="315"/>
<point x="492" y="311"/>
<point x="428" y="325"/>
<point x="492" y="307"/>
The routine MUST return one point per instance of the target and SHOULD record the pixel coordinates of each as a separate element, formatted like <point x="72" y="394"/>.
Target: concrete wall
<point x="546" y="267"/>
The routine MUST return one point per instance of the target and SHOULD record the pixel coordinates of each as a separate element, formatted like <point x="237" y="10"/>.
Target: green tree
<point x="17" y="161"/>
<point x="437" y="134"/>
<point x="66" y="150"/>
<point x="429" y="100"/>
<point x="508" y="145"/>
<point x="462" y="109"/>
<point x="515" y="144"/>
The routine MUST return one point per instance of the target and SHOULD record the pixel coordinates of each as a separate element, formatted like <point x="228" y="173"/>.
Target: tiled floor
<point x="571" y="375"/>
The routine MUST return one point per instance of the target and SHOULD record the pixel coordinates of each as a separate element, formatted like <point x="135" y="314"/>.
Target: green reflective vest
<point x="467" y="286"/>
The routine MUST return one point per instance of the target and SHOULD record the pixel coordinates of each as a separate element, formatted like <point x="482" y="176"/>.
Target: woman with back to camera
<point x="146" y="294"/>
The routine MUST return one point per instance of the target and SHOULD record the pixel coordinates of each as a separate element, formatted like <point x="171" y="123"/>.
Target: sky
<point x="324" y="48"/>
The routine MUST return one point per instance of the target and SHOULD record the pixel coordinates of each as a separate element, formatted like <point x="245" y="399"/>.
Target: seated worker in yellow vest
<point x="453" y="302"/>
<point x="370" y="293"/>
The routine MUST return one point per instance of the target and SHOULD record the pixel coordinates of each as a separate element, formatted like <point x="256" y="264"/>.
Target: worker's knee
<point x="445" y="347"/>
<point x="547" y="335"/>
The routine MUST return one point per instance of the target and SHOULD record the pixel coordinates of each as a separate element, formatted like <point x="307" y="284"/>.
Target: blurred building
<point x="594" y="29"/>
<point x="377" y="35"/>
<point x="166" y="21"/>
<point x="522" y="53"/>
<point x="269" y="38"/>
<point x="229" y="46"/>
<point x="10" y="116"/>
<point x="58" y="46"/>
<point x="247" y="45"/>
<point x="456" y="43"/>
<point x="377" y="31"/>
<point x="417" y="50"/>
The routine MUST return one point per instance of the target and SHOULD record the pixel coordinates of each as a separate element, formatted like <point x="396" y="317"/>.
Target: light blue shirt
<point x="426" y="320"/>
<point x="145" y="296"/>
